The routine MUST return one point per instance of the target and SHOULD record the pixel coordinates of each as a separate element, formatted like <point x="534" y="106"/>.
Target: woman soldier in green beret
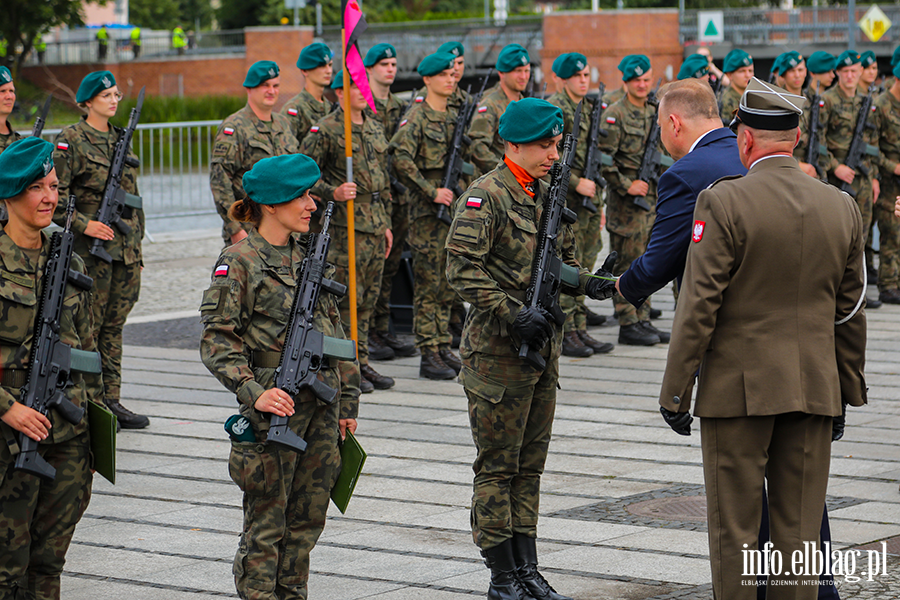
<point x="37" y="516"/>
<point x="83" y="154"/>
<point x="245" y="314"/>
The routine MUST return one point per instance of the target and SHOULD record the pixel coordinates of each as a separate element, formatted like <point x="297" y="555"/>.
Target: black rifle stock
<point x="594" y="157"/>
<point x="812" y="149"/>
<point x="549" y="272"/>
<point x="38" y="128"/>
<point x="305" y="348"/>
<point x="652" y="159"/>
<point x="51" y="358"/>
<point x="858" y="146"/>
<point x="114" y="197"/>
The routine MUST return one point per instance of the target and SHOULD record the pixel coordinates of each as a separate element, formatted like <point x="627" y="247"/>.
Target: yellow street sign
<point x="874" y="23"/>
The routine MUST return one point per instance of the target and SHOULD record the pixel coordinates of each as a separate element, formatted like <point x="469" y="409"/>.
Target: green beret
<point x="454" y="48"/>
<point x="848" y="58"/>
<point x="337" y="82"/>
<point x="377" y="53"/>
<point x="260" y="72"/>
<point x="736" y="59"/>
<point x="694" y="66"/>
<point x="435" y="63"/>
<point x="867" y="58"/>
<point x="313" y="56"/>
<point x="624" y="62"/>
<point x="93" y="84"/>
<point x="511" y="57"/>
<point x="895" y="58"/>
<point x="820" y="62"/>
<point x="280" y="179"/>
<point x="5" y="76"/>
<point x="787" y="61"/>
<point x="22" y="163"/>
<point x="636" y="66"/>
<point x="530" y="120"/>
<point x="568" y="64"/>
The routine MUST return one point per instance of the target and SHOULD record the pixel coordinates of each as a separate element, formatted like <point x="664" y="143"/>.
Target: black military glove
<point x="532" y="326"/>
<point x="680" y="422"/>
<point x="603" y="289"/>
<point x="837" y="425"/>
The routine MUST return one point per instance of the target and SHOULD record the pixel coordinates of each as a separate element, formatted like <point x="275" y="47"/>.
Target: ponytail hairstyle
<point x="246" y="211"/>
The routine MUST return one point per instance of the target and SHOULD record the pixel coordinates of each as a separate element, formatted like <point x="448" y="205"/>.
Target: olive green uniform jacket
<point x="487" y="147"/>
<point x="302" y="111"/>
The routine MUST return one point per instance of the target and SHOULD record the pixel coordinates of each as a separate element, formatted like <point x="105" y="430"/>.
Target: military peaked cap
<point x="767" y="106"/>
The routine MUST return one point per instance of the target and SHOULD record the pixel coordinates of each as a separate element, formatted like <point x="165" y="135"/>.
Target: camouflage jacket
<point x="389" y="113"/>
<point x="611" y="97"/>
<point x="242" y="140"/>
<point x="888" y="109"/>
<point x="21" y="286"/>
<point x="82" y="159"/>
<point x="9" y="138"/>
<point x="302" y="111"/>
<point x="456" y="99"/>
<point x="487" y="147"/>
<point x="565" y="103"/>
<point x="731" y="99"/>
<point x="837" y="120"/>
<point x="246" y="309"/>
<point x="420" y="149"/>
<point x="325" y="144"/>
<point x="491" y="247"/>
<point x="627" y="129"/>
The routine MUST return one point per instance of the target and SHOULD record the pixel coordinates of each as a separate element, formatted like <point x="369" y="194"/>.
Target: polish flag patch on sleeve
<point x="611" y="120"/>
<point x="221" y="271"/>
<point x="482" y="109"/>
<point x="404" y="122"/>
<point x="228" y="131"/>
<point x="292" y="112"/>
<point x="62" y="146"/>
<point x="314" y="129"/>
<point x="474" y="202"/>
<point x="697" y="234"/>
<point x="420" y="99"/>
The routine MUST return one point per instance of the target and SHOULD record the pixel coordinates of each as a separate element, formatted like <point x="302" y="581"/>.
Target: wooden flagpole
<point x="351" y="231"/>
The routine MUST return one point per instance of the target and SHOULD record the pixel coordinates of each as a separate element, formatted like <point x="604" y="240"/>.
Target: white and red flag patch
<point x="221" y="271"/>
<point x="474" y="202"/>
<point x="697" y="234"/>
<point x="228" y="131"/>
<point x="314" y="129"/>
<point x="482" y="109"/>
<point x="62" y="146"/>
<point x="292" y="112"/>
<point x="611" y="120"/>
<point x="404" y="122"/>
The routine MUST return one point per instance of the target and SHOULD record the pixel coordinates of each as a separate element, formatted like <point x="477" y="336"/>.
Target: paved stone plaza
<point x="622" y="512"/>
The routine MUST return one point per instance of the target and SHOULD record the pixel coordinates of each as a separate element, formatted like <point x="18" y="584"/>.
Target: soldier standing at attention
<point x="7" y="102"/>
<point x="869" y="71"/>
<point x="514" y="67"/>
<point x="820" y="66"/>
<point x="888" y="105"/>
<point x="491" y="249"/>
<point x="82" y="157"/>
<point x="244" y="314"/>
<point x="574" y="77"/>
<point x="695" y="66"/>
<point x="628" y="123"/>
<point x="792" y="70"/>
<point x="459" y="95"/>
<point x="249" y="135"/>
<point x="381" y="69"/>
<point x="838" y="115"/>
<point x="738" y="66"/>
<point x="310" y="105"/>
<point x="38" y="517"/>
<point x="371" y="193"/>
<point x="613" y="96"/>
<point x="420" y="150"/>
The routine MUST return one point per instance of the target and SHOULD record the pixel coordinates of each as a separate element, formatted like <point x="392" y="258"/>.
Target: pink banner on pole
<point x="354" y="26"/>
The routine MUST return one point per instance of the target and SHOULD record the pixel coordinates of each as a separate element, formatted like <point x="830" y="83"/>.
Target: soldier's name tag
<point x="699" y="226"/>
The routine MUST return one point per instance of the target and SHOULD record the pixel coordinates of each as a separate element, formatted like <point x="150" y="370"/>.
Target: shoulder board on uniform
<point x="293" y="112"/>
<point x="721" y="179"/>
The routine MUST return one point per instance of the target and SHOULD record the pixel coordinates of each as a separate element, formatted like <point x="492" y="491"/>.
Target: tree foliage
<point x="22" y="20"/>
<point x="154" y="14"/>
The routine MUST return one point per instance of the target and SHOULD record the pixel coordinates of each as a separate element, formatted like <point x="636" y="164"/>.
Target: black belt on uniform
<point x="14" y="378"/>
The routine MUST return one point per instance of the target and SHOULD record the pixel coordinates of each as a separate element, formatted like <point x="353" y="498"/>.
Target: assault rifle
<point x="858" y="146"/>
<point x="115" y="199"/>
<point x="593" y="158"/>
<point x="549" y="272"/>
<point x="52" y="360"/>
<point x="39" y="122"/>
<point x="397" y="187"/>
<point x="456" y="166"/>
<point x="306" y="349"/>
<point x="812" y="150"/>
<point x="653" y="158"/>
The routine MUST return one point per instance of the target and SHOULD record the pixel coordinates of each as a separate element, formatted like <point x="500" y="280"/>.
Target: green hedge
<point x="171" y="109"/>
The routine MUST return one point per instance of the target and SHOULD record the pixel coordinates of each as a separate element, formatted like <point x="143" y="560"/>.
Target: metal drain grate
<point x="679" y="508"/>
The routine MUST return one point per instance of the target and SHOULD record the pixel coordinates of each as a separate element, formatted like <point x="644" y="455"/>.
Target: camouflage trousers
<point x="511" y="408"/>
<point x="629" y="249"/>
<point x="286" y="497"/>
<point x="432" y="295"/>
<point x="115" y="292"/>
<point x="38" y="519"/>
<point x="889" y="243"/>
<point x="370" y="250"/>
<point x="400" y="230"/>
<point x="587" y="246"/>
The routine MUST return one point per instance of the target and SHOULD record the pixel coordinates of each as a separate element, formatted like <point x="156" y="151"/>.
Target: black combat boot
<point x="636" y="335"/>
<point x="664" y="336"/>
<point x="450" y="359"/>
<point x="455" y="334"/>
<point x="593" y="319"/>
<point x="378" y="381"/>
<point x="125" y="418"/>
<point x="525" y="553"/>
<point x="365" y="386"/>
<point x="505" y="584"/>
<point x="433" y="367"/>
<point x="655" y="313"/>
<point x="873" y="303"/>
<point x="890" y="296"/>
<point x="573" y="346"/>
<point x="596" y="345"/>
<point x="378" y="350"/>
<point x="399" y="347"/>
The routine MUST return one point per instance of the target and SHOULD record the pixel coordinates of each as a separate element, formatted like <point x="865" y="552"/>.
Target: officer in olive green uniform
<point x="7" y="101"/>
<point x="244" y="314"/>
<point x="575" y="74"/>
<point x="249" y="135"/>
<point x="628" y="123"/>
<point x="310" y="105"/>
<point x="514" y="67"/>
<point x="888" y="107"/>
<point x="738" y="66"/>
<point x="82" y="156"/>
<point x="420" y="150"/>
<point x="370" y="192"/>
<point x="491" y="249"/>
<point x="38" y="517"/>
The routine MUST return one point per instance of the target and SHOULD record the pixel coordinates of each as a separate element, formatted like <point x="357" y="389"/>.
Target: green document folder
<point x="103" y="440"/>
<point x="353" y="457"/>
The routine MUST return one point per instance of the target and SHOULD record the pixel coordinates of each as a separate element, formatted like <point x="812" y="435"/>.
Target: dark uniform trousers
<point x="400" y="231"/>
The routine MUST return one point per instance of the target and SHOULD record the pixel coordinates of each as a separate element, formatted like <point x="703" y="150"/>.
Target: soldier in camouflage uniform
<point x="838" y="115"/>
<point x="37" y="517"/>
<point x="491" y="249"/>
<point x="888" y="107"/>
<point x="628" y="123"/>
<point x="820" y="66"/>
<point x="83" y="154"/>
<point x="244" y="314"/>
<point x="420" y="150"/>
<point x="574" y="77"/>
<point x="249" y="135"/>
<point x="7" y="102"/>
<point x="869" y="72"/>
<point x="514" y="67"/>
<point x="613" y="96"/>
<point x="370" y="192"/>
<point x="738" y="66"/>
<point x="310" y="105"/>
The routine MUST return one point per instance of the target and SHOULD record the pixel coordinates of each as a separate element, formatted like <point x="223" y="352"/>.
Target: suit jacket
<point x="716" y="156"/>
<point x="771" y="306"/>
